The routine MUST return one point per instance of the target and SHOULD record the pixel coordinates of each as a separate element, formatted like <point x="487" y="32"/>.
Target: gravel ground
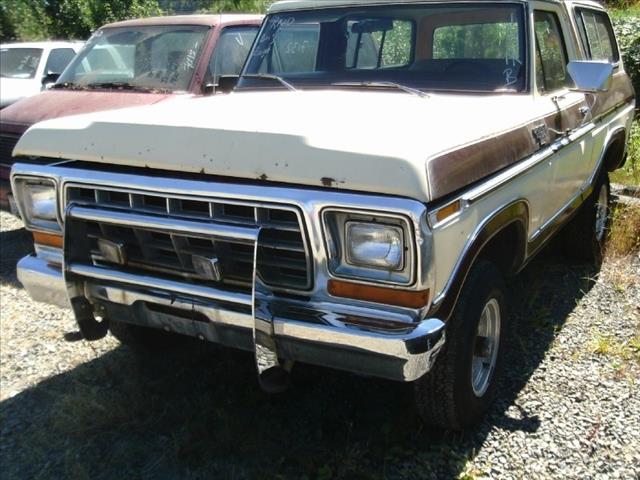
<point x="569" y="406"/>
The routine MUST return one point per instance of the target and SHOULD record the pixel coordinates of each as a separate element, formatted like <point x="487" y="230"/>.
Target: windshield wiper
<point x="268" y="76"/>
<point x="67" y="85"/>
<point x="399" y="86"/>
<point x="118" y="86"/>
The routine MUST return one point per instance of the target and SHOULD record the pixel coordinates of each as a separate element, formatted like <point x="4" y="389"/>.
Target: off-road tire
<point x="143" y="338"/>
<point x="445" y="397"/>
<point x="580" y="240"/>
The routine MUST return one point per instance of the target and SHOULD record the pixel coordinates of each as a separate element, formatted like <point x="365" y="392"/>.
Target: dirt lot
<point x="568" y="407"/>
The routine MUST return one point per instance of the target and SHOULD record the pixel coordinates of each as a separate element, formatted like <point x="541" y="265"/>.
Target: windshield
<point x="231" y="52"/>
<point x="19" y="62"/>
<point x="161" y="57"/>
<point x="468" y="47"/>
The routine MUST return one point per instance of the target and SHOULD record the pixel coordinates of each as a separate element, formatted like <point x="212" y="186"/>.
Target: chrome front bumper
<point x="309" y="334"/>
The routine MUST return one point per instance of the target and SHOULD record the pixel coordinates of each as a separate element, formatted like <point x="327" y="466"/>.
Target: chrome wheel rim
<point x="602" y="210"/>
<point x="486" y="346"/>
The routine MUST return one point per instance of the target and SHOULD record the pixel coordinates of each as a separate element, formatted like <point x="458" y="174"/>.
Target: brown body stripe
<point x="457" y="169"/>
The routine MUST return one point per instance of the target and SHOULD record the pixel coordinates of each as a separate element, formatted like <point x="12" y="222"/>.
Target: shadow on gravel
<point x="14" y="244"/>
<point x="198" y="413"/>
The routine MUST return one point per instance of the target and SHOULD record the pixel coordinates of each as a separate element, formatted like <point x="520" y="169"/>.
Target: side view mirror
<point x="591" y="76"/>
<point x="49" y="79"/>
<point x="226" y="83"/>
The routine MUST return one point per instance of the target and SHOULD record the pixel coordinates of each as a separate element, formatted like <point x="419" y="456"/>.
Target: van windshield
<point x="160" y="57"/>
<point x="468" y="47"/>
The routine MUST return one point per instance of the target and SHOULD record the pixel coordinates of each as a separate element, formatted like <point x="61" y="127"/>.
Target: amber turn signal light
<point x="389" y="296"/>
<point x="449" y="210"/>
<point x="48" y="239"/>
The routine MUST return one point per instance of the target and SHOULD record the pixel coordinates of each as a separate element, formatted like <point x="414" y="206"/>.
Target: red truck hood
<point x="61" y="103"/>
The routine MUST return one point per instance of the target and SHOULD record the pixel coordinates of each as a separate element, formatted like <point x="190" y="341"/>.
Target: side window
<point x="597" y="35"/>
<point x="551" y="53"/>
<point x="58" y="59"/>
<point x="231" y="51"/>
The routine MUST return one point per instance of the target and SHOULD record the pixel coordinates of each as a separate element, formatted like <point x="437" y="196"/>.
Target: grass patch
<point x="624" y="234"/>
<point x="608" y="346"/>
<point x="630" y="173"/>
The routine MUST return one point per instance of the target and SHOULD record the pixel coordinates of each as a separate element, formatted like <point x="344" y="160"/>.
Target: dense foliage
<point x="627" y="29"/>
<point x="76" y="19"/>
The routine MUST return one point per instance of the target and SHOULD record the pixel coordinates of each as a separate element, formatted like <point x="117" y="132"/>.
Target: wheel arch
<point x="504" y="230"/>
<point x="614" y="151"/>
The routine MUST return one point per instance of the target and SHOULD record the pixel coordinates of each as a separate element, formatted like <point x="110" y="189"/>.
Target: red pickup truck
<point x="132" y="63"/>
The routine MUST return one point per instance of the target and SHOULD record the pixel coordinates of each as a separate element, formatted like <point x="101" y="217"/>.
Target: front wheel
<point x="459" y="389"/>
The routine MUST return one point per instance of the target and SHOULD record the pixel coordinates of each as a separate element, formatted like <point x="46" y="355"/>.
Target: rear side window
<point x="597" y="35"/>
<point x="551" y="53"/>
<point x="59" y="58"/>
<point x="477" y="41"/>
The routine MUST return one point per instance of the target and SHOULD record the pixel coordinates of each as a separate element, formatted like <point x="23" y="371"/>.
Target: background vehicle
<point x="24" y="67"/>
<point x="135" y="62"/>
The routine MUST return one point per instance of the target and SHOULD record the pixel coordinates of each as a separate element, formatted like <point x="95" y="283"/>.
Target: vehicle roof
<point x="47" y="44"/>
<point x="289" y="5"/>
<point x="204" y="19"/>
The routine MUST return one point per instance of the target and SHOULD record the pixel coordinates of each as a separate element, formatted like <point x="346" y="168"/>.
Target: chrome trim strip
<point x="168" y="225"/>
<point x="148" y="282"/>
<point x="498" y="181"/>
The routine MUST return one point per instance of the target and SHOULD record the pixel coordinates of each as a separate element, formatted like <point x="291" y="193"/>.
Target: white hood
<point x="375" y="142"/>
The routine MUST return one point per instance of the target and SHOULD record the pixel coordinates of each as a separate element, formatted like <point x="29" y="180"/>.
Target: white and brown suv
<point x="356" y="203"/>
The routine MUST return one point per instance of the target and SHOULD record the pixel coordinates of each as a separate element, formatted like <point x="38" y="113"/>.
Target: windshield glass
<point x="231" y="52"/>
<point x="467" y="47"/>
<point x="19" y="62"/>
<point x="161" y="57"/>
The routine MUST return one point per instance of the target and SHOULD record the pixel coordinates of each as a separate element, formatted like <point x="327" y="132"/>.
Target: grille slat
<point x="284" y="262"/>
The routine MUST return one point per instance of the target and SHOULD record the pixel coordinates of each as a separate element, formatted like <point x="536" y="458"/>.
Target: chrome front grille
<point x="285" y="263"/>
<point x="7" y="143"/>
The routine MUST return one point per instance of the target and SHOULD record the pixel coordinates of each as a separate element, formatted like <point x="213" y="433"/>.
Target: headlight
<point x="376" y="246"/>
<point x="37" y="199"/>
<point x="371" y="247"/>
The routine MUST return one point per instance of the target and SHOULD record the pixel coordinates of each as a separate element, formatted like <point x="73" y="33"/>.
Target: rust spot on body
<point x="263" y="177"/>
<point x="328" y="181"/>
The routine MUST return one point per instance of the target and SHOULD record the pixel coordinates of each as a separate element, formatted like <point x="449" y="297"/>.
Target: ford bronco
<point x="356" y="203"/>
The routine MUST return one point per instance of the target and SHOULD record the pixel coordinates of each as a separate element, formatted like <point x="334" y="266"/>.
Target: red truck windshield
<point x="161" y="57"/>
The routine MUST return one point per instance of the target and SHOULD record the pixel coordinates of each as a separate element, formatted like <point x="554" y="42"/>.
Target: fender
<point x="516" y="213"/>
